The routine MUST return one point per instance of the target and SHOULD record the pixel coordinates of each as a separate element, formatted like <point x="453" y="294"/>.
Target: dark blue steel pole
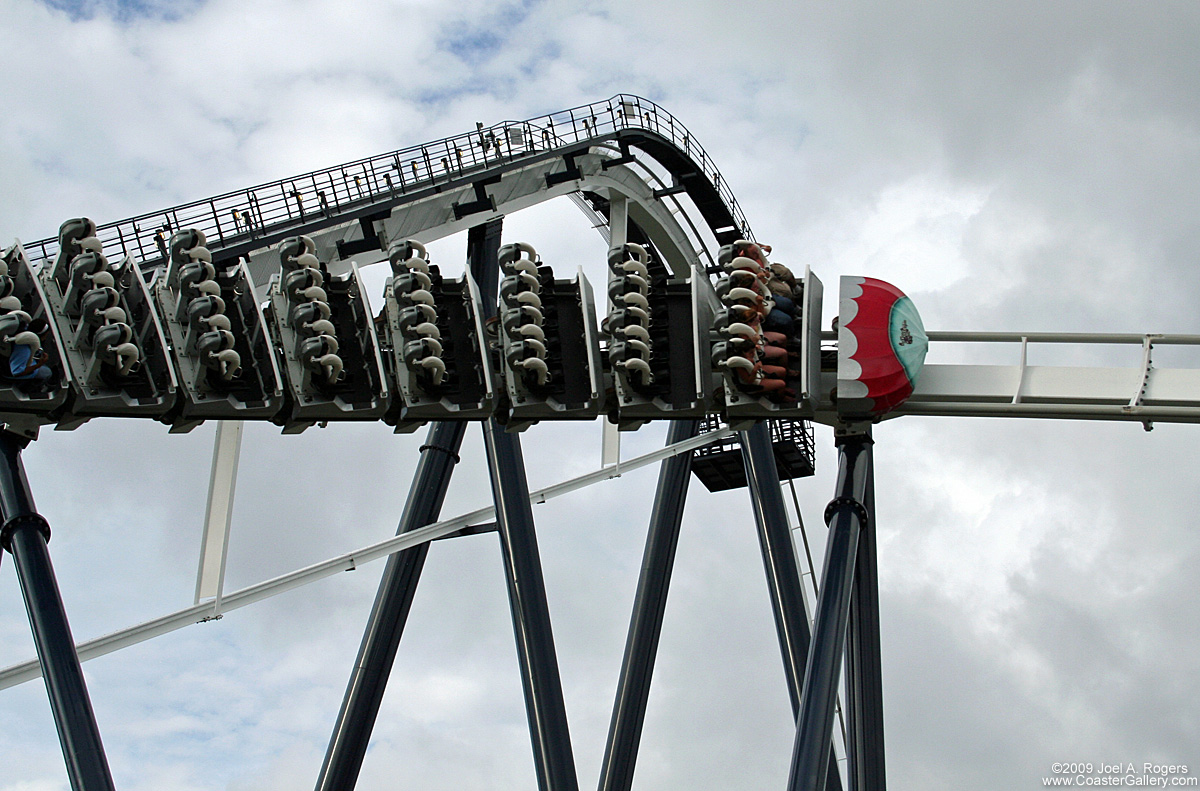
<point x="864" y="683"/>
<point x="779" y="554"/>
<point x="398" y="586"/>
<point x="781" y="564"/>
<point x="24" y="534"/>
<point x="645" y="626"/>
<point x="845" y="515"/>
<point x="389" y="613"/>
<point x="554" y="761"/>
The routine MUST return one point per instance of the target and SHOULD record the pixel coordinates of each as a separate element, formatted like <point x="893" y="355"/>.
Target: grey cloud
<point x="1037" y="577"/>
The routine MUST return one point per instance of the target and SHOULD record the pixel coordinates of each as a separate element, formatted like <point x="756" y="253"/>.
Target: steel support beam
<point x="554" y="761"/>
<point x="779" y="555"/>
<point x="864" y="682"/>
<point x="393" y="602"/>
<point x="347" y="561"/>
<point x="222" y="482"/>
<point x="645" y="626"/>
<point x="846" y="515"/>
<point x="24" y="534"/>
<point x="398" y="586"/>
<point x="781" y="564"/>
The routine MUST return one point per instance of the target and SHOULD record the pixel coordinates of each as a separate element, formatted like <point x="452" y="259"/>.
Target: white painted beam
<point x="214" y="546"/>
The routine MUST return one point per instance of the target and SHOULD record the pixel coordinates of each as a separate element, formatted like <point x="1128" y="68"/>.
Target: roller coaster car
<point x="325" y="334"/>
<point x="103" y="319"/>
<point x="27" y="398"/>
<point x="745" y="401"/>
<point x="658" y="349"/>
<point x="439" y="359"/>
<point x="220" y="343"/>
<point x="549" y="348"/>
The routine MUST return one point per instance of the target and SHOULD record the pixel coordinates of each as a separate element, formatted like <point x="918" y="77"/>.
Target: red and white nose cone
<point x="881" y="347"/>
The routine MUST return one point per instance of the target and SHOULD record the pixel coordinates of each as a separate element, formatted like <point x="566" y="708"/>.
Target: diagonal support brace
<point x="645" y="626"/>
<point x="781" y="565"/>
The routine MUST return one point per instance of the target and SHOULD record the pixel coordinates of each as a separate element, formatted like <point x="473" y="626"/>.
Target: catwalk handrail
<point x="245" y="214"/>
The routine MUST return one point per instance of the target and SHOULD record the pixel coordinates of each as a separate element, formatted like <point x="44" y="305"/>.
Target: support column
<point x="783" y="568"/>
<point x="553" y="759"/>
<point x="222" y="481"/>
<point x="864" y="747"/>
<point x="845" y="515"/>
<point x="24" y="534"/>
<point x="645" y="626"/>
<point x="393" y="602"/>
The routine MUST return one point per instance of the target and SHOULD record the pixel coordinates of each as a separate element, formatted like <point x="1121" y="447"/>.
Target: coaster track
<point x="626" y="150"/>
<point x="624" y="158"/>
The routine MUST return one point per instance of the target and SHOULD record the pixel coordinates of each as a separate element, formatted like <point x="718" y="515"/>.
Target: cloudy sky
<point x="1011" y="165"/>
